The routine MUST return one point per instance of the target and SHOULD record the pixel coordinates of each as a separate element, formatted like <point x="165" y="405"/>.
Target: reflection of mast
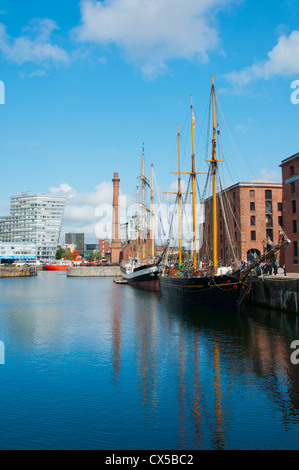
<point x="116" y="335"/>
<point x="196" y="407"/>
<point x="218" y="408"/>
<point x="146" y="357"/>
<point x="182" y="389"/>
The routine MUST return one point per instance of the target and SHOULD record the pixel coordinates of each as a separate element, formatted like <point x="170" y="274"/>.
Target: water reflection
<point x="218" y="398"/>
<point x="143" y="371"/>
<point x="116" y="336"/>
<point x="146" y="350"/>
<point x="253" y="346"/>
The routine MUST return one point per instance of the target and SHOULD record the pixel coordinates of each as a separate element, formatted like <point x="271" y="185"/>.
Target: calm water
<point x="93" y="365"/>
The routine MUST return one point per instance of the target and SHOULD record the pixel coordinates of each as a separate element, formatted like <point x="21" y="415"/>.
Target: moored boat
<point x="144" y="276"/>
<point x="58" y="266"/>
<point x="143" y="271"/>
<point x="120" y="281"/>
<point x="224" y="287"/>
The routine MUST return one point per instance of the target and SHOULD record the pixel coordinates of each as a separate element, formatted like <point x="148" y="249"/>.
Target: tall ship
<point x="202" y="281"/>
<point x="142" y="270"/>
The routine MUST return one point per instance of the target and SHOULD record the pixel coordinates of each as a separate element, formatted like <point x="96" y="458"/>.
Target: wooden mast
<point x="152" y="214"/>
<point x="179" y="198"/>
<point x="193" y="176"/>
<point x="137" y="221"/>
<point x="179" y="195"/>
<point x="214" y="170"/>
<point x="143" y="202"/>
<point x="145" y="182"/>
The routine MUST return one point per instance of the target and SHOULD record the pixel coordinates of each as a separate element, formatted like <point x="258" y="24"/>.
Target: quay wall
<point x="276" y="293"/>
<point x="17" y="271"/>
<point x="93" y="271"/>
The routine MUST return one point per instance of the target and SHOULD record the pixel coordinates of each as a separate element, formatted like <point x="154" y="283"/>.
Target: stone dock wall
<point x="276" y="292"/>
<point x="17" y="271"/>
<point x="93" y="271"/>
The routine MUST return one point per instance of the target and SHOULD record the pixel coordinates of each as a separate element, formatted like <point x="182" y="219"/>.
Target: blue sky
<point x="88" y="82"/>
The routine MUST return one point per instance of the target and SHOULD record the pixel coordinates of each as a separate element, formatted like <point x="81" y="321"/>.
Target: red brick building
<point x="290" y="202"/>
<point x="129" y="249"/>
<point x="104" y="248"/>
<point x="252" y="211"/>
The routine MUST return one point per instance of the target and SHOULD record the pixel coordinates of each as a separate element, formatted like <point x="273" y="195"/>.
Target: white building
<point x="18" y="252"/>
<point x="128" y="230"/>
<point x="34" y="219"/>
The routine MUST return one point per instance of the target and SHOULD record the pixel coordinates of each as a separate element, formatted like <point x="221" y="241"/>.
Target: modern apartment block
<point x="34" y="218"/>
<point x="17" y="252"/>
<point x="290" y="201"/>
<point x="128" y="230"/>
<point x="76" y="239"/>
<point x="248" y="215"/>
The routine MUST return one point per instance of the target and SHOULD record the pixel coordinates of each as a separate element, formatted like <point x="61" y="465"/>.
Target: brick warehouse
<point x="253" y="211"/>
<point x="130" y="249"/>
<point x="290" y="201"/>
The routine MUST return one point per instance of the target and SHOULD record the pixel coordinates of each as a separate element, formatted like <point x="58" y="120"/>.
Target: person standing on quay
<point x="285" y="269"/>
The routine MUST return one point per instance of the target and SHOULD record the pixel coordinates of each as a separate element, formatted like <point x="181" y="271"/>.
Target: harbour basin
<point x="90" y="364"/>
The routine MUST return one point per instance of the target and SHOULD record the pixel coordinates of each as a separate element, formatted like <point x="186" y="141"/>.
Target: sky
<point x="89" y="84"/>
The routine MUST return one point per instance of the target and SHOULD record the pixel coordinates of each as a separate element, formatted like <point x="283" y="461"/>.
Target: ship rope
<point x="166" y="257"/>
<point x="160" y="205"/>
<point x="234" y="285"/>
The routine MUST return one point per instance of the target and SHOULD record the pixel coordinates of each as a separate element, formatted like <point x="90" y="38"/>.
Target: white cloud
<point x="90" y="213"/>
<point x="64" y="189"/>
<point x="151" y="32"/>
<point x="36" y="73"/>
<point x="34" y="45"/>
<point x="271" y="175"/>
<point x="241" y="128"/>
<point x="283" y="60"/>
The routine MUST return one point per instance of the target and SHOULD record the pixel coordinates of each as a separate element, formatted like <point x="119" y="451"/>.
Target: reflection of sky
<point x="90" y="364"/>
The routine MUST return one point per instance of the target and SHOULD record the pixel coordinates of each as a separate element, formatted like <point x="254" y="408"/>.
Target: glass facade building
<point x="34" y="219"/>
<point x="76" y="239"/>
<point x="24" y="252"/>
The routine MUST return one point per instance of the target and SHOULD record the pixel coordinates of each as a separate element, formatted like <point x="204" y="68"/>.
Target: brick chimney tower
<point x="116" y="242"/>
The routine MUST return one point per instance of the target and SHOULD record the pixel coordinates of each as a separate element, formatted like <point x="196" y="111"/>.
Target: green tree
<point x="59" y="253"/>
<point x="91" y="257"/>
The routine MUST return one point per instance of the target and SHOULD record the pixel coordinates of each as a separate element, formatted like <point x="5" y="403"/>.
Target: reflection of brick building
<point x="290" y="200"/>
<point x="253" y="211"/>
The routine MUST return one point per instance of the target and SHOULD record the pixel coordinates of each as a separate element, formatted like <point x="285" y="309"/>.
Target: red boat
<point x="58" y="266"/>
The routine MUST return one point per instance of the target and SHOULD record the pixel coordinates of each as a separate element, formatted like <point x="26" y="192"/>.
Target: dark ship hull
<point x="145" y="277"/>
<point x="225" y="292"/>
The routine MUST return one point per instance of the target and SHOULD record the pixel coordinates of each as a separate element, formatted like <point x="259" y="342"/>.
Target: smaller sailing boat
<point x="211" y="286"/>
<point x="142" y="271"/>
